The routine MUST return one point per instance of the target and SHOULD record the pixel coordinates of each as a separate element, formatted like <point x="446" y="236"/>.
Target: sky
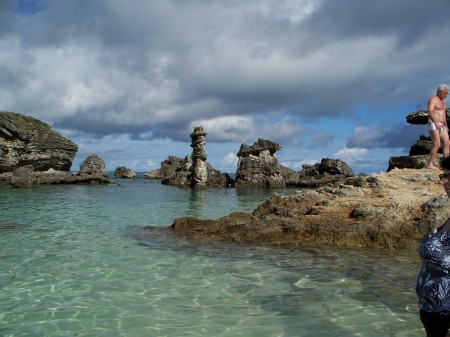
<point x="129" y="80"/>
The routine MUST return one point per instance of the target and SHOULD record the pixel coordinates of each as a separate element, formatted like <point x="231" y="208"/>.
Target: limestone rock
<point x="123" y="172"/>
<point x="93" y="165"/>
<point x="422" y="146"/>
<point x="182" y="174"/>
<point x="27" y="141"/>
<point x="91" y="172"/>
<point x="391" y="210"/>
<point x="258" y="166"/>
<point x="167" y="169"/>
<point x="192" y="171"/>
<point x="154" y="174"/>
<point x="328" y="171"/>
<point x="414" y="162"/>
<point x="199" y="169"/>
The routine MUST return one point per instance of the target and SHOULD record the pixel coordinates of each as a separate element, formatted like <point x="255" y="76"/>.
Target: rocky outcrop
<point x="328" y="171"/>
<point x="414" y="162"/>
<point x="123" y="172"/>
<point x="182" y="176"/>
<point x="258" y="166"/>
<point x="92" y="171"/>
<point x="26" y="141"/>
<point x="93" y="165"/>
<point x="192" y="171"/>
<point x="167" y="169"/>
<point x="391" y="210"/>
<point x="198" y="169"/>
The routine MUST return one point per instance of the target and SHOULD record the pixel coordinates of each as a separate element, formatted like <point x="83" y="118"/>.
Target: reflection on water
<point x="216" y="202"/>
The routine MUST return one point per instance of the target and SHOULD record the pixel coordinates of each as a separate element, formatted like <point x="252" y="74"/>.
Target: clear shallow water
<point x="77" y="261"/>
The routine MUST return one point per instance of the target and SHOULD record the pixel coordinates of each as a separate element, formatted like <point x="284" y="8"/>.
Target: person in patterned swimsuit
<point x="433" y="281"/>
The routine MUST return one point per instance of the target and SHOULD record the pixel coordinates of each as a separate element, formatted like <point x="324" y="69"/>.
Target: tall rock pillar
<point x="199" y="171"/>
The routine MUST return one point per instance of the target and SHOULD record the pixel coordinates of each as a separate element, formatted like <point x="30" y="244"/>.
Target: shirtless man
<point x="437" y="124"/>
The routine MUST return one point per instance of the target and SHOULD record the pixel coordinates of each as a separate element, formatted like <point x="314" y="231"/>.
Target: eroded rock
<point x="92" y="171"/>
<point x="27" y="141"/>
<point x="123" y="172"/>
<point x="384" y="211"/>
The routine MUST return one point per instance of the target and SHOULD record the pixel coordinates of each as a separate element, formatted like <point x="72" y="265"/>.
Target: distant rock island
<point x="123" y="172"/>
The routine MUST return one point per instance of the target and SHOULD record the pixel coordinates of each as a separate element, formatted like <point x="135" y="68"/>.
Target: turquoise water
<point x="77" y="261"/>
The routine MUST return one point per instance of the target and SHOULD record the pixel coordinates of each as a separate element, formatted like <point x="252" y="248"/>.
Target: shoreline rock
<point x="92" y="171"/>
<point x="393" y="210"/>
<point x="25" y="140"/>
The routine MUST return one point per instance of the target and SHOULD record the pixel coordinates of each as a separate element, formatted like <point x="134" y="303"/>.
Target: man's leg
<point x="434" y="135"/>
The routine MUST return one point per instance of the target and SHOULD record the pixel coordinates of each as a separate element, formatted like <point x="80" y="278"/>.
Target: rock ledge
<point x="391" y="210"/>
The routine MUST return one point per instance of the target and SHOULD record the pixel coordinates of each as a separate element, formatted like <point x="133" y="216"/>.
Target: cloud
<point x="230" y="160"/>
<point x="350" y="154"/>
<point x="395" y="136"/>
<point x="275" y="69"/>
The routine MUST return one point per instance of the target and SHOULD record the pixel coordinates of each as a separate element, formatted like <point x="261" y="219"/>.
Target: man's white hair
<point x="442" y="87"/>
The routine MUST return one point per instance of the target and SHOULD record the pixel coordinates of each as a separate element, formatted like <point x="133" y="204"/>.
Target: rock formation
<point x="182" y="174"/>
<point x="258" y="166"/>
<point x="123" y="172"/>
<point x="192" y="171"/>
<point x="27" y="141"/>
<point x="93" y="165"/>
<point x="92" y="171"/>
<point x="167" y="169"/>
<point x="198" y="169"/>
<point x="328" y="171"/>
<point x="391" y="210"/>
